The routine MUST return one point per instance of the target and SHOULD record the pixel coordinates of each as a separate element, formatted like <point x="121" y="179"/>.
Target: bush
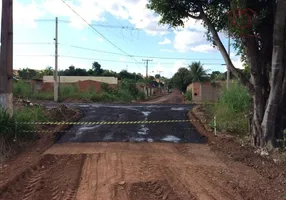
<point x="141" y="95"/>
<point x="107" y="97"/>
<point x="22" y="89"/>
<point x="124" y="96"/>
<point x="188" y="95"/>
<point x="130" y="85"/>
<point x="96" y="97"/>
<point x="232" y="108"/>
<point x="106" y="88"/>
<point x="68" y="91"/>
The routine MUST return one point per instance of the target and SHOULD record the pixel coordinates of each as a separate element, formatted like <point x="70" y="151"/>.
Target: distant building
<point x="204" y="91"/>
<point x="74" y="79"/>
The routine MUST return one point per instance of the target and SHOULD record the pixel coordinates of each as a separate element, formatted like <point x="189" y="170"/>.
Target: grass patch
<point x="12" y="134"/>
<point x="22" y="89"/>
<point x="232" y="108"/>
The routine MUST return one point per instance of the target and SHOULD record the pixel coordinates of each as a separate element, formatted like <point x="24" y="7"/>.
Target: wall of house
<point x="204" y="91"/>
<point x="81" y="85"/>
<point x="74" y="79"/>
<point x="196" y="92"/>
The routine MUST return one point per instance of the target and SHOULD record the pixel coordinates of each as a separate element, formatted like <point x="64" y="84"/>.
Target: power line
<point x="108" y="60"/>
<point x="112" y="26"/>
<point x="97" y="31"/>
<point x="139" y="56"/>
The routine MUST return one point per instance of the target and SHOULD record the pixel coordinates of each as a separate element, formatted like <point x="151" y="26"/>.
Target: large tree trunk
<point x="277" y="74"/>
<point x="264" y="102"/>
<point x="224" y="53"/>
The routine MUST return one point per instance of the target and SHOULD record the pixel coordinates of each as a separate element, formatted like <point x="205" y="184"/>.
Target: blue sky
<point x="34" y="32"/>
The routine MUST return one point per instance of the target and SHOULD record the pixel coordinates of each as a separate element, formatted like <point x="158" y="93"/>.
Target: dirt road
<point x="137" y="171"/>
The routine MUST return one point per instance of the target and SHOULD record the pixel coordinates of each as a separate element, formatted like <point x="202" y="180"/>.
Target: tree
<point x="96" y="67"/>
<point x="157" y="76"/>
<point x="182" y="79"/>
<point x="72" y="71"/>
<point x="215" y="75"/>
<point x="27" y="74"/>
<point x="109" y="73"/>
<point x="198" y="73"/>
<point x="262" y="44"/>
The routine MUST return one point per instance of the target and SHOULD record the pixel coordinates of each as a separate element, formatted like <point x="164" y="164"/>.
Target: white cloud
<point x="165" y="41"/>
<point x="194" y="24"/>
<point x="100" y="39"/>
<point x="203" y="48"/>
<point x="89" y="10"/>
<point x="184" y="39"/>
<point x="25" y="13"/>
<point x="122" y="59"/>
<point x="166" y="50"/>
<point x="169" y="72"/>
<point x="238" y="64"/>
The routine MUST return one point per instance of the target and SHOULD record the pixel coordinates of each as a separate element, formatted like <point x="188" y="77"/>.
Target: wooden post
<point x="6" y="61"/>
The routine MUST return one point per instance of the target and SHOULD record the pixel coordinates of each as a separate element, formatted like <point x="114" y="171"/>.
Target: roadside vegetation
<point x="13" y="136"/>
<point x="232" y="109"/>
<point x="126" y="92"/>
<point x="188" y="95"/>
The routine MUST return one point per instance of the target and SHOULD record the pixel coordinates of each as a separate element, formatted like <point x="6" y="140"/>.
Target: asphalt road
<point x="182" y="132"/>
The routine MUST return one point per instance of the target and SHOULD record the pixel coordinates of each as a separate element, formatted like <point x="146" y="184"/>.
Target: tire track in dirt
<point x="52" y="178"/>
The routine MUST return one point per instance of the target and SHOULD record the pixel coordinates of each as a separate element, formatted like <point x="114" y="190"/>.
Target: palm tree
<point x="198" y="73"/>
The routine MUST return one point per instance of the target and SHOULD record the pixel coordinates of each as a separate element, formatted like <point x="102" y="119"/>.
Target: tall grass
<point x="14" y="134"/>
<point x="67" y="91"/>
<point x="232" y="108"/>
<point x="22" y="89"/>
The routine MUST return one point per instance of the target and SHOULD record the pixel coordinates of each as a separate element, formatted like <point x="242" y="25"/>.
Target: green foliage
<point x="124" y="96"/>
<point x="96" y="67"/>
<point x="141" y="95"/>
<point x="72" y="71"/>
<point x="217" y="76"/>
<point x="130" y="86"/>
<point x="22" y="89"/>
<point x="106" y="88"/>
<point x="12" y="134"/>
<point x="27" y="74"/>
<point x="232" y="108"/>
<point x="67" y="91"/>
<point x="182" y="79"/>
<point x="46" y="72"/>
<point x="198" y="73"/>
<point x="188" y="95"/>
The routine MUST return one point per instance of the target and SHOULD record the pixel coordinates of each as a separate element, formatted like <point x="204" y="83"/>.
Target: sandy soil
<point x="144" y="171"/>
<point x="173" y="98"/>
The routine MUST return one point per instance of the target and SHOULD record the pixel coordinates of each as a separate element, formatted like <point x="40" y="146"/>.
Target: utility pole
<point x="56" y="86"/>
<point x="147" y="62"/>
<point x="6" y="61"/>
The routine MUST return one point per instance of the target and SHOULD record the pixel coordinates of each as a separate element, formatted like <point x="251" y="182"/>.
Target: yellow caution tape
<point x="109" y="123"/>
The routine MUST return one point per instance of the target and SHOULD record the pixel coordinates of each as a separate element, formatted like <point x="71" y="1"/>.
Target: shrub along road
<point x="178" y="165"/>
